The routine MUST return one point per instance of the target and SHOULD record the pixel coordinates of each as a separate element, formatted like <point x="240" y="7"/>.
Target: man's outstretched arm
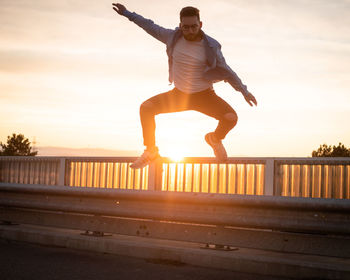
<point x="235" y="81"/>
<point x="158" y="32"/>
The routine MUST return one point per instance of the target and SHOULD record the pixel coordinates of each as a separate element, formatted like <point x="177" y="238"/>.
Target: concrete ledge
<point x="242" y="260"/>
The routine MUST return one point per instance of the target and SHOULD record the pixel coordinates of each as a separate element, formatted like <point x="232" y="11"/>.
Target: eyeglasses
<point x="187" y="27"/>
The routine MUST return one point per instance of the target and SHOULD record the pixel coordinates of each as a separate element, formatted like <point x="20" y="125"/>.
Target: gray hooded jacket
<point x="217" y="68"/>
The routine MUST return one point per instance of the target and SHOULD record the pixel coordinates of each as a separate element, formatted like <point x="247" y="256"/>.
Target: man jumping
<point x="195" y="63"/>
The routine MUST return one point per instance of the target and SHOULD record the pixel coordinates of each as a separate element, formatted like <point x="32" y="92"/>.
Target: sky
<point x="73" y="74"/>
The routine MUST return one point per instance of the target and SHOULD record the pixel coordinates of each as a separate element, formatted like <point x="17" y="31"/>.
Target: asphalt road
<point x="20" y="260"/>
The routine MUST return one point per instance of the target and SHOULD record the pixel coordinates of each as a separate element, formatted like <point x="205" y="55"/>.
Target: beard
<point x="193" y="37"/>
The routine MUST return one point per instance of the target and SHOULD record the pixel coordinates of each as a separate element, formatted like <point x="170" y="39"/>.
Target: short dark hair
<point x="189" y="12"/>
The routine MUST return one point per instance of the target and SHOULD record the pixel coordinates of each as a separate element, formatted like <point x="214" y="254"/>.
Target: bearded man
<point x="195" y="63"/>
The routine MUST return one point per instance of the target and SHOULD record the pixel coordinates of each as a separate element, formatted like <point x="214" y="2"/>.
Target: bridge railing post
<point x="155" y="173"/>
<point x="269" y="177"/>
<point x="62" y="172"/>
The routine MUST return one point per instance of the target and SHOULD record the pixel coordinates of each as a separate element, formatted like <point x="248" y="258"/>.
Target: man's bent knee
<point x="231" y="117"/>
<point x="146" y="106"/>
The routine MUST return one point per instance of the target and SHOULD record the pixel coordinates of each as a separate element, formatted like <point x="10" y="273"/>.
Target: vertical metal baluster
<point x="334" y="186"/>
<point x="40" y="171"/>
<point x="328" y="187"/>
<point x="127" y="176"/>
<point x="4" y="173"/>
<point x="322" y="192"/>
<point x="200" y="187"/>
<point x="87" y="174"/>
<point x="141" y="181"/>
<point x="52" y="172"/>
<point x="119" y="175"/>
<point x="7" y="171"/>
<point x="81" y="174"/>
<point x="99" y="174"/>
<point x="218" y="178"/>
<point x="55" y="172"/>
<point x="15" y="177"/>
<point x="35" y="164"/>
<point x="255" y="183"/>
<point x="57" y="162"/>
<point x="346" y="188"/>
<point x="23" y="173"/>
<point x="245" y="175"/>
<point x="134" y="179"/>
<point x="113" y="175"/>
<point x="343" y="180"/>
<point x="72" y="173"/>
<point x="106" y="174"/>
<point x="18" y="177"/>
<point x="319" y="180"/>
<point x="209" y="178"/>
<point x="44" y="171"/>
<point x="32" y="172"/>
<point x="326" y="183"/>
<point x="28" y="172"/>
<point x="236" y="191"/>
<point x="311" y="180"/>
<point x="168" y="176"/>
<point x="10" y="171"/>
<point x="75" y="174"/>
<point x="300" y="180"/>
<point x="95" y="174"/>
<point x="226" y="178"/>
<point x="93" y="177"/>
<point x="175" y="187"/>
<point x="24" y="177"/>
<point x="13" y="171"/>
<point x="21" y="169"/>
<point x="184" y="178"/>
<point x="290" y="185"/>
<point x="76" y="183"/>
<point x="40" y="178"/>
<point x="47" y="172"/>
<point x="192" y="176"/>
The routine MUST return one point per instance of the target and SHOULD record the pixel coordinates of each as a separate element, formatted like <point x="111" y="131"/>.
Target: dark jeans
<point x="206" y="102"/>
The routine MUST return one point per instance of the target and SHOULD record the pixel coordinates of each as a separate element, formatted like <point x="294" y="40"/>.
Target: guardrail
<point x="296" y="177"/>
<point x="265" y="222"/>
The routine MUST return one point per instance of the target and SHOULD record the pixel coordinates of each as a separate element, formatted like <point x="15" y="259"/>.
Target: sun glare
<point x="175" y="155"/>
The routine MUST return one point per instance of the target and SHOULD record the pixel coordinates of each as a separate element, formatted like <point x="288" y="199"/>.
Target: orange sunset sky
<point x="73" y="74"/>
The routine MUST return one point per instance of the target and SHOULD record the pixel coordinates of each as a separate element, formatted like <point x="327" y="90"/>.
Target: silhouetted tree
<point x="17" y="145"/>
<point x="329" y="151"/>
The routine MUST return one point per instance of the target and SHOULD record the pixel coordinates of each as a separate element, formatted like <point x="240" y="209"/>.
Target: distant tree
<point x="329" y="151"/>
<point x="17" y="145"/>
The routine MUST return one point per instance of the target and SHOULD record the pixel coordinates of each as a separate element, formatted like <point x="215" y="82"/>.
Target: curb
<point x="242" y="260"/>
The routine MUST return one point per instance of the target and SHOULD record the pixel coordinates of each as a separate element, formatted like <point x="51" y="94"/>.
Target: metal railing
<point x="298" y="177"/>
<point x="320" y="178"/>
<point x="30" y="170"/>
<point x="301" y="225"/>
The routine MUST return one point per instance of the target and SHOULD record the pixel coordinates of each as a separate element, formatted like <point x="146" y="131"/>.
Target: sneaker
<point x="145" y="159"/>
<point x="218" y="148"/>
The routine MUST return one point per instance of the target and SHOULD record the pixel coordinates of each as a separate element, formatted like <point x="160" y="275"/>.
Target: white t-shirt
<point x="189" y="62"/>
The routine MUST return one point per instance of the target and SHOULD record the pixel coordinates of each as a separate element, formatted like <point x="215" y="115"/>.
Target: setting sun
<point x="174" y="154"/>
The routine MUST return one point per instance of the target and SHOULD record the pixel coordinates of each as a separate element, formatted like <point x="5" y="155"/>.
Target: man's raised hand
<point x="250" y="99"/>
<point x="119" y="8"/>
